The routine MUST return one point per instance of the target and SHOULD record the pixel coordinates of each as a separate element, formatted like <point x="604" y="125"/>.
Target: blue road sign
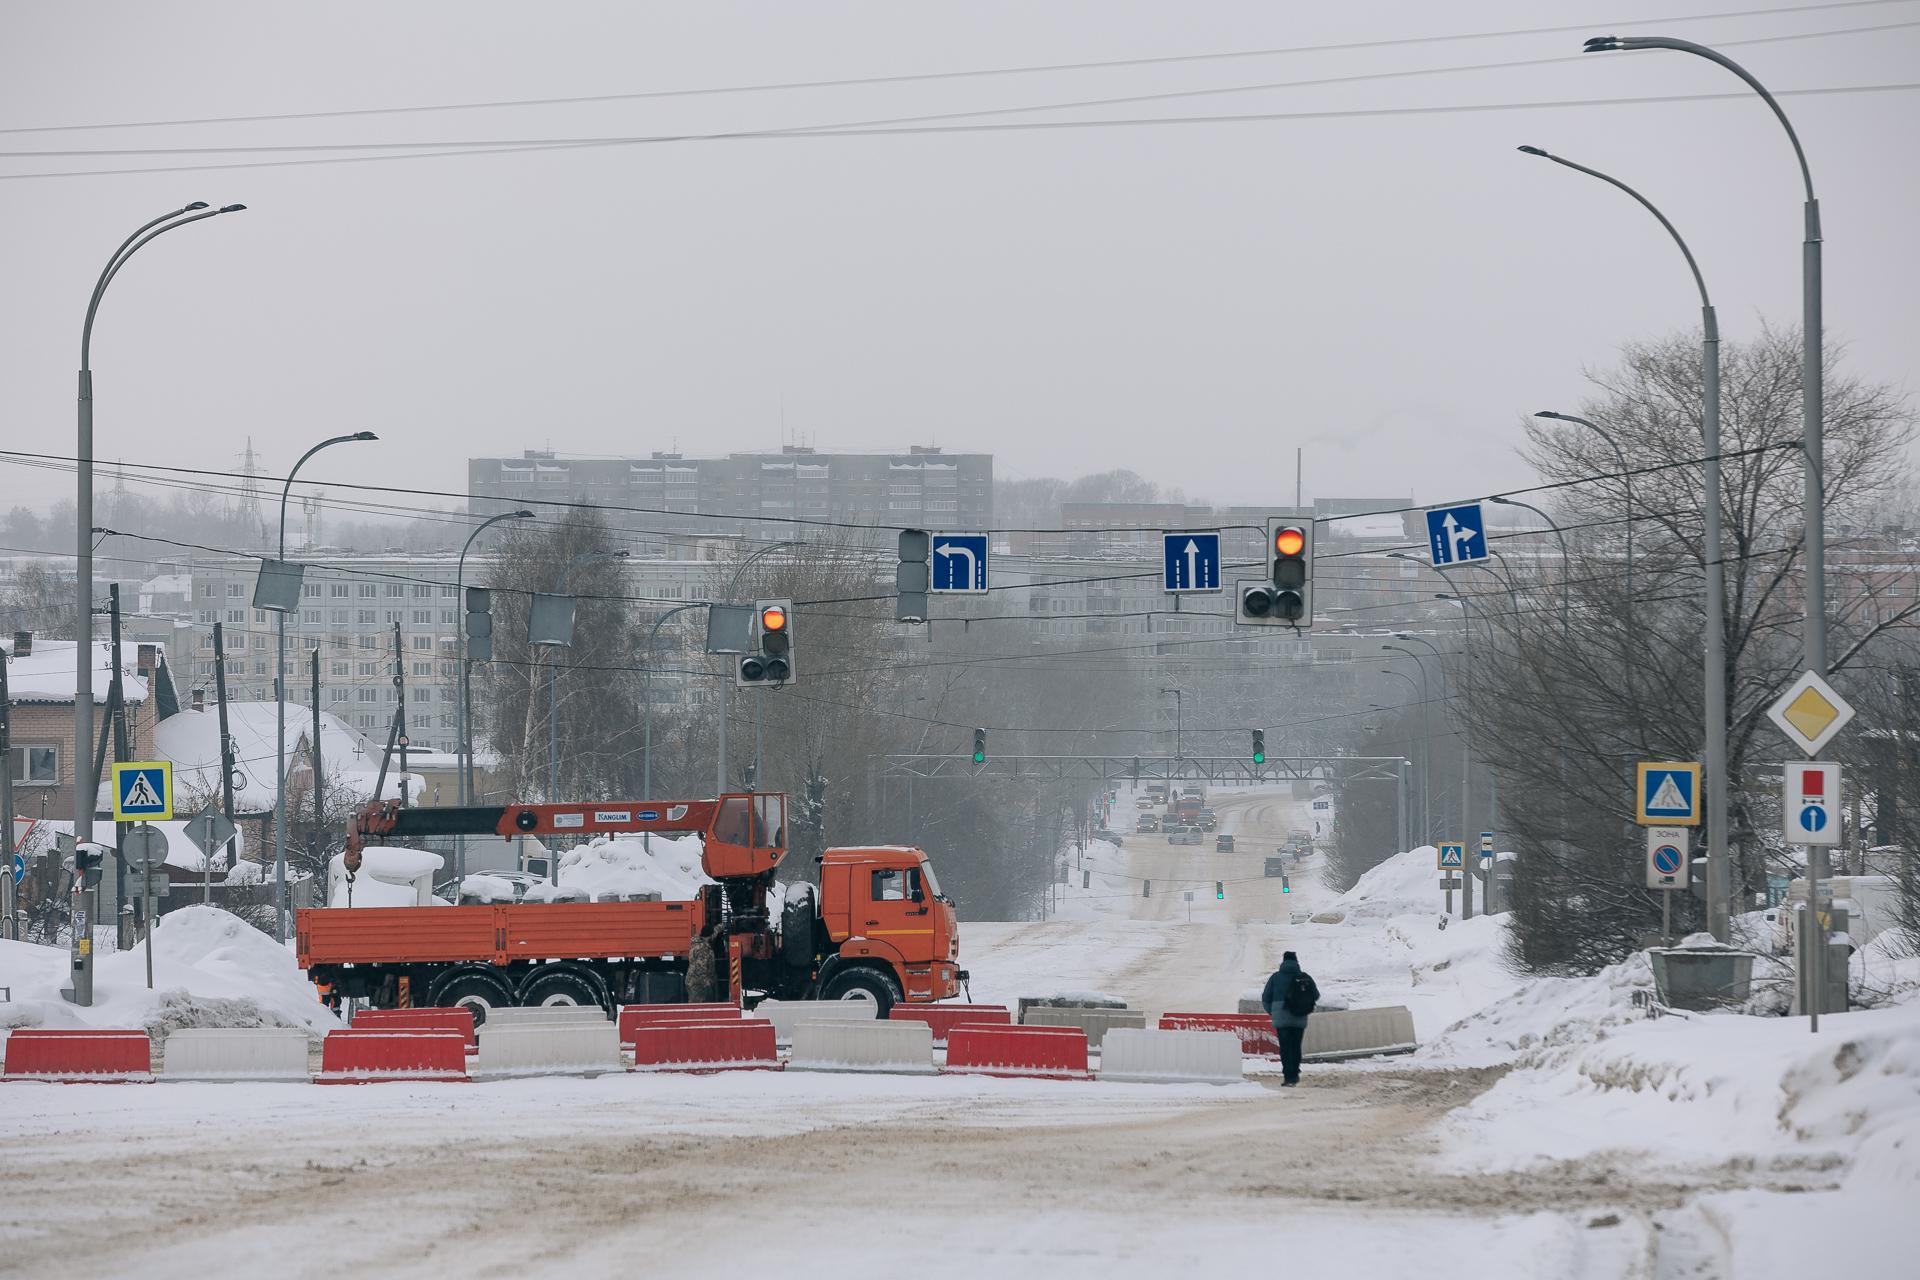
<point x="142" y="791"/>
<point x="959" y="563"/>
<point x="19" y="868"/>
<point x="1666" y="859"/>
<point x="1667" y="793"/>
<point x="1456" y="535"/>
<point x="1813" y="819"/>
<point x="1190" y="561"/>
<point x="1453" y="855"/>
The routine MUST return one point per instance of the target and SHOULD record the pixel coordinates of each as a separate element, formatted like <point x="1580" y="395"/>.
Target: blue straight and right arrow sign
<point x="1457" y="535"/>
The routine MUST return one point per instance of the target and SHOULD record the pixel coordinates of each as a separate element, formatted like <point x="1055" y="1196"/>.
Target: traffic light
<point x="1285" y="599"/>
<point x="769" y="659"/>
<point x="979" y="747"/>
<point x="1220" y="890"/>
<point x="479" y="624"/>
<point x="910" y="577"/>
<point x="1259" y="746"/>
<point x="1286" y="885"/>
<point x="88" y="861"/>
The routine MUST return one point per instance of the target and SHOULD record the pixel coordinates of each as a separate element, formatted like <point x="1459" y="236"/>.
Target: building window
<point x="338" y="616"/>
<point x="423" y="642"/>
<point x="369" y="642"/>
<point x="366" y="695"/>
<point x="235" y="590"/>
<point x="236" y="617"/>
<point x="369" y="668"/>
<point x="310" y="615"/>
<point x="259" y="642"/>
<point x="340" y="669"/>
<point x="448" y="617"/>
<point x="423" y="617"/>
<point x="368" y="590"/>
<point x="336" y="590"/>
<point x="421" y="591"/>
<point x="367" y="617"/>
<point x="396" y="589"/>
<point x="260" y="669"/>
<point x="423" y="668"/>
<point x="34" y="766"/>
<point x="310" y="589"/>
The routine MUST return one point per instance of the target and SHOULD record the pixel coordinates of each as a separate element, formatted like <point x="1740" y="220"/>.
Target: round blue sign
<point x="1666" y="859"/>
<point x="1813" y="818"/>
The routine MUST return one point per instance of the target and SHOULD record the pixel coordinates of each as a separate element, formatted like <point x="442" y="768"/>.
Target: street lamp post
<point x="1625" y="479"/>
<point x="1566" y="560"/>
<point x="465" y="787"/>
<point x="1811" y="340"/>
<point x="646" y="769"/>
<point x="1714" y="746"/>
<point x="1426" y="772"/>
<point x="86" y="782"/>
<point x="280" y="699"/>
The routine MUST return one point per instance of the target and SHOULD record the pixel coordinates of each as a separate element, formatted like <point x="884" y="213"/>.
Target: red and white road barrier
<point x="943" y="1018"/>
<point x="70" y="1055"/>
<point x="456" y="1018"/>
<point x="1053" y="1053"/>
<point x="634" y="1016"/>
<point x="370" y="1056"/>
<point x="1257" y="1038"/>
<point x="743" y="1044"/>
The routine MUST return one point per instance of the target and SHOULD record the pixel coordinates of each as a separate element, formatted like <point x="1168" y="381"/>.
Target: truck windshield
<point x="926" y="873"/>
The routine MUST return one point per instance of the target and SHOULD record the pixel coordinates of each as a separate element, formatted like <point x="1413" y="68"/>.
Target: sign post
<point x="145" y="849"/>
<point x="1451" y="856"/>
<point x="1667" y="871"/>
<point x="209" y="830"/>
<point x="1810" y="713"/>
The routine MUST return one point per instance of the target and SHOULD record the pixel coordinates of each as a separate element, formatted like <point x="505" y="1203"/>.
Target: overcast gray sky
<point x="1191" y="301"/>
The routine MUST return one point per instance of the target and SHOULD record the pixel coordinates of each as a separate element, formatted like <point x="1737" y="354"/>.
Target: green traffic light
<point x="1259" y="757"/>
<point x="979" y="757"/>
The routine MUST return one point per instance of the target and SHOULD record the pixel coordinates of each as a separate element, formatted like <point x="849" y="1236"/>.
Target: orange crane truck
<point x="877" y="929"/>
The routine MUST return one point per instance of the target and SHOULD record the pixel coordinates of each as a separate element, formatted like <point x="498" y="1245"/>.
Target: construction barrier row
<point x="633" y="1016"/>
<point x="1359" y="1033"/>
<point x="1255" y="1030"/>
<point x="943" y="1018"/>
<point x="741" y="1044"/>
<point x="235" y="1053"/>
<point x="901" y="1048"/>
<point x="1136" y="1055"/>
<point x="1052" y="1053"/>
<point x="785" y="1015"/>
<point x="543" y="1014"/>
<point x="62" y="1054"/>
<point x="1095" y="1022"/>
<point x="457" y="1018"/>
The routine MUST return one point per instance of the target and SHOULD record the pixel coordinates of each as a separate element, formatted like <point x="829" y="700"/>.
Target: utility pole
<point x="8" y="926"/>
<point x="319" y="775"/>
<point x="121" y="753"/>
<point x="400" y="709"/>
<point x="227" y="761"/>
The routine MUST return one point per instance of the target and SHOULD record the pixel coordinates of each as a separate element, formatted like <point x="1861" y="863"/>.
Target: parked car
<point x="1223" y="844"/>
<point x="1147" y="822"/>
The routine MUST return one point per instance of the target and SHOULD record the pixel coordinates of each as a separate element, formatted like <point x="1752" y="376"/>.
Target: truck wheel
<point x="870" y="985"/>
<point x="797" y="919"/>
<point x="476" y="989"/>
<point x="560" y="986"/>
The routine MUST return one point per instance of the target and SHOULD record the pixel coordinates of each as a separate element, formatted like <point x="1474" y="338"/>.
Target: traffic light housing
<point x="1286" y="885"/>
<point x="911" y="577"/>
<point x="1146" y="888"/>
<point x="479" y="624"/>
<point x="1220" y="890"/>
<point x="1285" y="598"/>
<point x="88" y="862"/>
<point x="1259" y="746"/>
<point x="979" y="747"/>
<point x="769" y="658"/>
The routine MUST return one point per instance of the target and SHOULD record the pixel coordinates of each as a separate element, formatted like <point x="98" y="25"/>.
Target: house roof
<point x="47" y="675"/>
<point x="191" y="740"/>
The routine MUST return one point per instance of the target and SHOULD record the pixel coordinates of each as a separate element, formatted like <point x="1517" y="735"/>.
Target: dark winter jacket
<point x="1272" y="998"/>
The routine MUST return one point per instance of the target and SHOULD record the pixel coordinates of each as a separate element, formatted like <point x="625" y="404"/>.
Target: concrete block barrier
<point x="638" y="1015"/>
<point x="1095" y="1022"/>
<point x="1254" y="1029"/>
<point x="554" y="1048"/>
<point x="943" y="1018"/>
<point x="366" y="1057"/>
<point x="235" y="1053"/>
<point x="100" y="1055"/>
<point x="904" y="1047"/>
<point x="1333" y="1034"/>
<point x="1167" y="1057"/>
<point x="785" y="1015"/>
<point x="743" y="1045"/>
<point x="1054" y="1053"/>
<point x="457" y="1018"/>
<point x="529" y="1015"/>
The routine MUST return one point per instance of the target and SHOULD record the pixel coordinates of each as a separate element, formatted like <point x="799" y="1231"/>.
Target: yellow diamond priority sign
<point x="1810" y="712"/>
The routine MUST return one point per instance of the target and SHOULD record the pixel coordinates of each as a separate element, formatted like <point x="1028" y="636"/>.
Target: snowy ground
<point x="1546" y="1128"/>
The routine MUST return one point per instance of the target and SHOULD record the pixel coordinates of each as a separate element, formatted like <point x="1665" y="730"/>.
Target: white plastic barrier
<point x="1333" y="1034"/>
<point x="1095" y="1022"/>
<point x="1169" y="1057"/>
<point x="544" y="1015"/>
<point x="552" y="1048"/>
<point x="785" y="1015"/>
<point x="235" y="1053"/>
<point x="902" y="1047"/>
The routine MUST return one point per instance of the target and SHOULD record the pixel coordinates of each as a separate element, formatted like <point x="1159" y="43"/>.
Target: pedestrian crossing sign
<point x="1453" y="855"/>
<point x="1667" y="794"/>
<point x="143" y="791"/>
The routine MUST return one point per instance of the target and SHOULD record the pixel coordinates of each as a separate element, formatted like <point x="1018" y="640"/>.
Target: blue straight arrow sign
<point x="1190" y="561"/>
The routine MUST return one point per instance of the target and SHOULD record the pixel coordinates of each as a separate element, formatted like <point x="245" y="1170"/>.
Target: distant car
<point x="1144" y="802"/>
<point x="1184" y="837"/>
<point x="1147" y="822"/>
<point x="1206" y="820"/>
<point x="1223" y="844"/>
<point x="1276" y="867"/>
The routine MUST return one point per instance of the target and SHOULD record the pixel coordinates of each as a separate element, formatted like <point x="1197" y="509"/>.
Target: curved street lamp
<point x="465" y="788"/>
<point x="86" y="781"/>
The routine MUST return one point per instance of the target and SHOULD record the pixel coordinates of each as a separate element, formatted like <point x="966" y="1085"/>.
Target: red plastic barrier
<point x="107" y="1056"/>
<point x="743" y="1045"/>
<point x="943" y="1018"/>
<point x="364" y="1057"/>
<point x="633" y="1016"/>
<point x="1054" y="1053"/>
<point x="1255" y="1030"/>
<point x="457" y="1018"/>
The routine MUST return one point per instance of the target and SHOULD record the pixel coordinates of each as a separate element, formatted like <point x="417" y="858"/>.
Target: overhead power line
<point x="965" y="74"/>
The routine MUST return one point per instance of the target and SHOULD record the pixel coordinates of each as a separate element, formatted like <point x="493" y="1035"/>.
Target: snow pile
<point x="1405" y="884"/>
<point x="388" y="877"/>
<point x="622" y="866"/>
<point x="1539" y="1015"/>
<point x="210" y="969"/>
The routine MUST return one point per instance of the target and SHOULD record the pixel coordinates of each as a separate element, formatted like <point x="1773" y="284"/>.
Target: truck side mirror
<point x="919" y="894"/>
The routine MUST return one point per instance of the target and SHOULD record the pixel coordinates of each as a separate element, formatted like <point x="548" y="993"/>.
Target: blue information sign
<point x="1457" y="535"/>
<point x="1190" y="561"/>
<point x="959" y="562"/>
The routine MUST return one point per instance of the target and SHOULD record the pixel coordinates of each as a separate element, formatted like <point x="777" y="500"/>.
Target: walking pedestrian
<point x="1289" y="998"/>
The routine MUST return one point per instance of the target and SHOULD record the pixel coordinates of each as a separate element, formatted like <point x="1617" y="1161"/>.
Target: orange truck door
<point x="898" y="909"/>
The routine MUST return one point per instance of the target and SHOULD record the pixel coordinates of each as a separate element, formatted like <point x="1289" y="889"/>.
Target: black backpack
<point x="1300" y="996"/>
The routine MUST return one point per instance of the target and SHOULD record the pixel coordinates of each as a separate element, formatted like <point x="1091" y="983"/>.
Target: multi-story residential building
<point x="757" y="494"/>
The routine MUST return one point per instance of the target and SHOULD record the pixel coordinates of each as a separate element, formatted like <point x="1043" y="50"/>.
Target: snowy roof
<point x="179" y="584"/>
<point x="191" y="740"/>
<point x="46" y="674"/>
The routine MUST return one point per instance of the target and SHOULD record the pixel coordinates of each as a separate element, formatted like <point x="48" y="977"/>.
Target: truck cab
<point x="893" y="933"/>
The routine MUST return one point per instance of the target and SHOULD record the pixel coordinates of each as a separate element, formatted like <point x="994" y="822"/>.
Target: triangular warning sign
<point x="140" y="794"/>
<point x="1668" y="798"/>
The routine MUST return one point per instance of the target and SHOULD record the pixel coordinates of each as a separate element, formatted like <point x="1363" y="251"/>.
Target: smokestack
<point x="199" y="699"/>
<point x="23" y="644"/>
<point x="146" y="657"/>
